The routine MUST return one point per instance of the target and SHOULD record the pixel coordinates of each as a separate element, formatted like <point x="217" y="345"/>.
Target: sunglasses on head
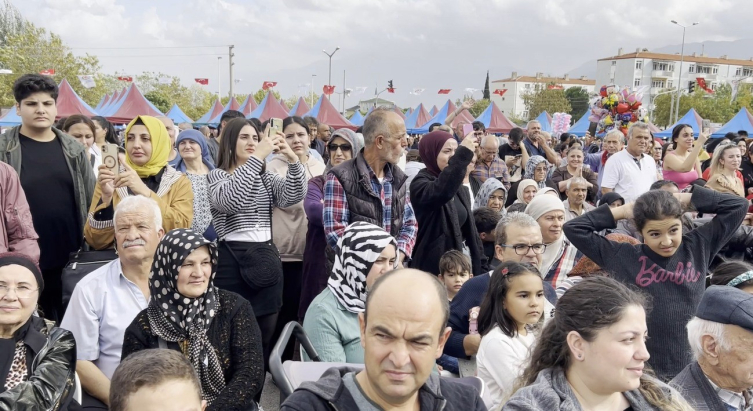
<point x="342" y="147"/>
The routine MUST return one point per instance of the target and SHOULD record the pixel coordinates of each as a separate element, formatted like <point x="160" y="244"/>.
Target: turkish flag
<point x="444" y="91"/>
<point x="328" y="90"/>
<point x="501" y="92"/>
<point x="125" y="78"/>
<point x="268" y="85"/>
<point x="202" y="81"/>
<point x="554" y="87"/>
<point x="391" y="90"/>
<point x="48" y="72"/>
<point x="702" y="84"/>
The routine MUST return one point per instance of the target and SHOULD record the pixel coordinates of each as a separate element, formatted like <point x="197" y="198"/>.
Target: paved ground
<point x="270" y="396"/>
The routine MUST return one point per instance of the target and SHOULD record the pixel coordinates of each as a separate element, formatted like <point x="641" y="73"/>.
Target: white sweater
<point x="501" y="360"/>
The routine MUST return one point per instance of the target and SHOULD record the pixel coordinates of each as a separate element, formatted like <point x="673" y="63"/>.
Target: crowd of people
<point x="562" y="273"/>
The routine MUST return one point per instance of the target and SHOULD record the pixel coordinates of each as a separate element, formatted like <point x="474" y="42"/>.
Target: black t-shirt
<point x="506" y="150"/>
<point x="49" y="189"/>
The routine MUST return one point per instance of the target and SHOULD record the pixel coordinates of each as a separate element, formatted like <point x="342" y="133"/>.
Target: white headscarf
<point x="540" y="205"/>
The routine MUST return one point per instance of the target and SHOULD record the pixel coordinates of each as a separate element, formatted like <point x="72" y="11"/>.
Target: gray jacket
<point x="551" y="392"/>
<point x="75" y="156"/>
<point x="695" y="387"/>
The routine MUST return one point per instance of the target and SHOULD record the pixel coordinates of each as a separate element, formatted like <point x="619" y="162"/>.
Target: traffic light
<point x="389" y="84"/>
<point x="691" y="87"/>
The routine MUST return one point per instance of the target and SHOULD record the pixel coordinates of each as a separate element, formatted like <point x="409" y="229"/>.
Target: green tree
<point x="479" y="106"/>
<point x="11" y="21"/>
<point x="542" y="98"/>
<point x="717" y="107"/>
<point x="159" y="100"/>
<point x="261" y="93"/>
<point x="578" y="98"/>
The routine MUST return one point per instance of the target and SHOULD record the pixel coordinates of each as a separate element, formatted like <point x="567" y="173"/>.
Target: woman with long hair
<point x="242" y="194"/>
<point x="104" y="132"/>
<point x="734" y="273"/>
<point x="681" y="165"/>
<point x="83" y="129"/>
<point x="508" y="323"/>
<point x="592" y="355"/>
<point x="344" y="145"/>
<point x="671" y="263"/>
<point x="723" y="171"/>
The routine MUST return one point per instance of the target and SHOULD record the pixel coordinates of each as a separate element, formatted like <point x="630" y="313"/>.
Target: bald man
<point x="403" y="331"/>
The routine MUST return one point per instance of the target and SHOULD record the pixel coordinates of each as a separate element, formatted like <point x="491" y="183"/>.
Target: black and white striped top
<point x="241" y="201"/>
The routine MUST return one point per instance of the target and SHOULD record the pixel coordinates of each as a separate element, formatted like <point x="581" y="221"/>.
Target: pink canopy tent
<point x="269" y="108"/>
<point x="69" y="103"/>
<point x="249" y="105"/>
<point x="133" y="105"/>
<point x="399" y="112"/>
<point x="496" y="119"/>
<point x="212" y="113"/>
<point x="300" y="108"/>
<point x="326" y="113"/>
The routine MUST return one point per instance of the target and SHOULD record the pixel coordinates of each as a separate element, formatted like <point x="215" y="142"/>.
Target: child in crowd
<point x="454" y="271"/>
<point x="510" y="313"/>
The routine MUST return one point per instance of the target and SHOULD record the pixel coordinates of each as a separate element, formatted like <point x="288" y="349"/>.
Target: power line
<point x="143" y="48"/>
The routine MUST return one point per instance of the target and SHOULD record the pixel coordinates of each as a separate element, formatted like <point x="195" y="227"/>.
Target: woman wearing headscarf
<point x="195" y="162"/>
<point x="522" y="191"/>
<point x="537" y="169"/>
<point x="443" y="205"/>
<point x="37" y="359"/>
<point x="492" y="194"/>
<point x="366" y="252"/>
<point x="143" y="171"/>
<point x="215" y="329"/>
<point x="342" y="146"/>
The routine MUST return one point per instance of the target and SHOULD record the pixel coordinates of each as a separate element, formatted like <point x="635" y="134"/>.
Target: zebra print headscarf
<point x="359" y="248"/>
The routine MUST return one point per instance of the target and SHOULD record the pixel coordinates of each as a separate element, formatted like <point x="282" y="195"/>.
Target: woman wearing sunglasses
<point x="343" y="146"/>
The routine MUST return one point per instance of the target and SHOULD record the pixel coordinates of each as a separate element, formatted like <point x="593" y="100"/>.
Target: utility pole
<point x="312" y="89"/>
<point x="230" y="56"/>
<point x="342" y="104"/>
<point x="219" y="83"/>
<point x="330" y="64"/>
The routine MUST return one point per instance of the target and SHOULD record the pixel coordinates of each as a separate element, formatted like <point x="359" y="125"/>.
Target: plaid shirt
<point x="336" y="215"/>
<point x="497" y="169"/>
<point x="734" y="401"/>
<point x="557" y="274"/>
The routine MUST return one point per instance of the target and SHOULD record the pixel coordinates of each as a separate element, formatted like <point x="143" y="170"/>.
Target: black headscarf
<point x="610" y="198"/>
<point x="175" y="317"/>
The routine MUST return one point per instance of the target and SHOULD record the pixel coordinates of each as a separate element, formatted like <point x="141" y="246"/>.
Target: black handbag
<point x="260" y="265"/>
<point x="81" y="263"/>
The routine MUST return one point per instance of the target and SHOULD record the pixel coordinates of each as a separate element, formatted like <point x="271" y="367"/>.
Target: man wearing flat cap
<point x="721" y="338"/>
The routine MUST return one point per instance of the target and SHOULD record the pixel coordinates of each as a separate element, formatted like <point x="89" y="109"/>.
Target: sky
<point x="429" y="44"/>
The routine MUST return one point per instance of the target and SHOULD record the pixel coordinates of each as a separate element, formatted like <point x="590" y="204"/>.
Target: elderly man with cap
<point x="721" y="338"/>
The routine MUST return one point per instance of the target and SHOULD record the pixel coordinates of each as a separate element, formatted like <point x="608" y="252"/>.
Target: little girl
<point x="510" y="309"/>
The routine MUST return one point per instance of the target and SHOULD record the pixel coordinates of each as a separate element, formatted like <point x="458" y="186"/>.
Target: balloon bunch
<point x="616" y="108"/>
<point x="560" y="124"/>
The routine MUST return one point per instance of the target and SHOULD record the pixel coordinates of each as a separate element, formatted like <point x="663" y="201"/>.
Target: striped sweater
<point x="241" y="200"/>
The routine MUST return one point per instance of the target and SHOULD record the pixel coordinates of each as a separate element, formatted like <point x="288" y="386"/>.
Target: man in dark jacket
<point x="56" y="176"/>
<point x="371" y="188"/>
<point x="720" y="337"/>
<point x="406" y="330"/>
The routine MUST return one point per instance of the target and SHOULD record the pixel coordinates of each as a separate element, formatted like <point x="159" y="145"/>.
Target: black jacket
<point x="330" y="394"/>
<point x="51" y="372"/>
<point x="697" y="390"/>
<point x="363" y="203"/>
<point x="433" y="200"/>
<point x="236" y="339"/>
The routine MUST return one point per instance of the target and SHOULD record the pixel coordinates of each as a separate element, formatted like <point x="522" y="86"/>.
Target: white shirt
<point x="622" y="174"/>
<point x="94" y="150"/>
<point x="102" y="306"/>
<point x="500" y="360"/>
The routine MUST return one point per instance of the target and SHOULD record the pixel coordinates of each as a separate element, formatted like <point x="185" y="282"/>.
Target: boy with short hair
<point x="486" y="221"/>
<point x="454" y="271"/>
<point x="156" y="379"/>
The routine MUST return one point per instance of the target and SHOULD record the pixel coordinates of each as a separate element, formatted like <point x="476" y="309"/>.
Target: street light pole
<point x="329" y="82"/>
<point x="679" y="76"/>
<point x="219" y="86"/>
<point x="312" y="89"/>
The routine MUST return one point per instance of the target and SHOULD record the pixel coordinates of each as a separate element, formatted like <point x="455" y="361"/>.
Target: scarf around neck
<point x="359" y="247"/>
<point x="531" y="166"/>
<point x="487" y="189"/>
<point x="198" y="138"/>
<point x="160" y="147"/>
<point x="430" y="147"/>
<point x="174" y="317"/>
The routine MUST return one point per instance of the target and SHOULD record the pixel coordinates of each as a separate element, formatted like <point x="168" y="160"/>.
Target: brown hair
<point x="149" y="368"/>
<point x="226" y="157"/>
<point x="78" y="119"/>
<point x="453" y="260"/>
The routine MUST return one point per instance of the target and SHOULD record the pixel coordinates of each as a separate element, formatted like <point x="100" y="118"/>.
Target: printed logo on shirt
<point x="683" y="273"/>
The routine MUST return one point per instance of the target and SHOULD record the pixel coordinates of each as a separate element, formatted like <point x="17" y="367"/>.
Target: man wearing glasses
<point x="517" y="238"/>
<point x="489" y="164"/>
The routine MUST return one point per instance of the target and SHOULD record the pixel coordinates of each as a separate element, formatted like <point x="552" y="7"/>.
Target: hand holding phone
<point x="110" y="157"/>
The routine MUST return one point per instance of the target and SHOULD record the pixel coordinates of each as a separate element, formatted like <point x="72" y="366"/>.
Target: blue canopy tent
<point x="581" y="126"/>
<point x="177" y="115"/>
<point x="209" y="115"/>
<point x="101" y="103"/>
<point x="10" y="119"/>
<point x="440" y="117"/>
<point x="231" y="105"/>
<point x="417" y="117"/>
<point x="357" y="118"/>
<point x="691" y="118"/>
<point x="743" y="120"/>
<point x="546" y="122"/>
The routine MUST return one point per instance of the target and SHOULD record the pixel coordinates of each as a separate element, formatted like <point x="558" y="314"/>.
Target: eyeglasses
<point x="22" y="292"/>
<point x="522" y="249"/>
<point x="343" y="147"/>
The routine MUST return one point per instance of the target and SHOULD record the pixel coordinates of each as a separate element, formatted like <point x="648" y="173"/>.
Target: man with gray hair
<point x="403" y="330"/>
<point x="575" y="204"/>
<point x="489" y="165"/>
<point x="371" y="187"/>
<point x="613" y="143"/>
<point x="537" y="143"/>
<point x="105" y="302"/>
<point x="721" y="339"/>
<point x="631" y="172"/>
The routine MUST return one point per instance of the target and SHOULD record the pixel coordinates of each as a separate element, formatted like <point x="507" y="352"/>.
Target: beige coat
<point x="289" y="224"/>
